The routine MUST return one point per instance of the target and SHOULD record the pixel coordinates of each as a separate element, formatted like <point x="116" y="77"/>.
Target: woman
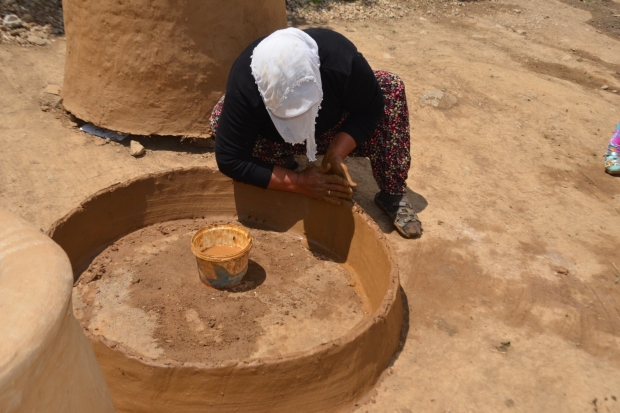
<point x="313" y="86"/>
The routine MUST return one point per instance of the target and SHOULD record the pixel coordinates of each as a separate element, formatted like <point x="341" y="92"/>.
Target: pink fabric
<point x="615" y="139"/>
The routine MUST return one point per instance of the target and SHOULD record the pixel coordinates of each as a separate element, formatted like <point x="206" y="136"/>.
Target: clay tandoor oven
<point x="327" y="378"/>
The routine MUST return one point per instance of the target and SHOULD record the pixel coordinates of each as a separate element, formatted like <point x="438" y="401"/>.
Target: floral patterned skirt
<point x="388" y="148"/>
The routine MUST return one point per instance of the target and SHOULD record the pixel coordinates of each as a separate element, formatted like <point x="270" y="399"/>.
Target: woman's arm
<point x="313" y="182"/>
<point x="363" y="100"/>
<point x="339" y="148"/>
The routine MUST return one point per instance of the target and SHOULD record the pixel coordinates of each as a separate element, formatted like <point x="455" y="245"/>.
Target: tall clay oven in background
<point x="157" y="66"/>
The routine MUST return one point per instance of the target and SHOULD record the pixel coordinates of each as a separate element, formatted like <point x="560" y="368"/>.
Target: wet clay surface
<point x="222" y="250"/>
<point x="144" y="291"/>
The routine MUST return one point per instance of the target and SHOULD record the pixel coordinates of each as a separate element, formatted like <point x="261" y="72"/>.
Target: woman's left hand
<point x="341" y="146"/>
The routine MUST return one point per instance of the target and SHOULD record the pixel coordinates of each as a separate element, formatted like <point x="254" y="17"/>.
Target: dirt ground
<point x="144" y="291"/>
<point x="512" y="295"/>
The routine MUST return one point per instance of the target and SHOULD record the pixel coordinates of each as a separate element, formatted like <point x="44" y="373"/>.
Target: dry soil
<point x="521" y="222"/>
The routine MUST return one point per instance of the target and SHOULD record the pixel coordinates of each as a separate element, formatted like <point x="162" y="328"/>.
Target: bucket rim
<point x="223" y="258"/>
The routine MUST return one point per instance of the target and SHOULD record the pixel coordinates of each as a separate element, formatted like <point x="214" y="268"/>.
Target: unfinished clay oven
<point x="326" y="378"/>
<point x="156" y="66"/>
<point x="46" y="363"/>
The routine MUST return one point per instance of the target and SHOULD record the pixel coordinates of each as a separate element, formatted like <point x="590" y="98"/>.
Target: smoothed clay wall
<point x="157" y="66"/>
<point x="46" y="362"/>
<point x="327" y="378"/>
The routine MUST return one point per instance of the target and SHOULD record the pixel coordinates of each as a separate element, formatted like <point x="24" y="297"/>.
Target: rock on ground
<point x="11" y="21"/>
<point x="438" y="99"/>
<point x="136" y="149"/>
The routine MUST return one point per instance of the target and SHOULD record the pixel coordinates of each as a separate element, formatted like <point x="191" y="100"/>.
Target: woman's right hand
<point x="317" y="183"/>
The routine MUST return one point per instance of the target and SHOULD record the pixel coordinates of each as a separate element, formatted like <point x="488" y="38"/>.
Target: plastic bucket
<point x="222" y="271"/>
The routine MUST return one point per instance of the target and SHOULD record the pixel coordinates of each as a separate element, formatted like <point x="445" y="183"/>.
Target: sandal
<point x="404" y="217"/>
<point x="612" y="161"/>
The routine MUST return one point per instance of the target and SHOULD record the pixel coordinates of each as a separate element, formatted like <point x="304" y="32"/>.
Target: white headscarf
<point x="285" y="66"/>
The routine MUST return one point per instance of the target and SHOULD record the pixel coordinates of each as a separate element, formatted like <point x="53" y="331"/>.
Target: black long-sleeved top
<point x="349" y="85"/>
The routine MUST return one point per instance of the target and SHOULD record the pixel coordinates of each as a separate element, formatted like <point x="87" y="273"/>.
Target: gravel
<point x="322" y="11"/>
<point x="30" y="22"/>
<point x="41" y="12"/>
<point x="41" y="20"/>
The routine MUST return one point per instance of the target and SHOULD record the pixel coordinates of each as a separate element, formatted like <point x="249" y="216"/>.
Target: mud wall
<point x="46" y="362"/>
<point x="328" y="378"/>
<point x="157" y="66"/>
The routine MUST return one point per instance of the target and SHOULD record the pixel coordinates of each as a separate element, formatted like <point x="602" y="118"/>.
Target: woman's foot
<point x="612" y="161"/>
<point x="400" y="211"/>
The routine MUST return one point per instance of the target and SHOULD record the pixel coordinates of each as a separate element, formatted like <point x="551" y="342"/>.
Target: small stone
<point x="561" y="270"/>
<point x="52" y="90"/>
<point x="135" y="149"/>
<point x="27" y="18"/>
<point x="438" y="99"/>
<point x="604" y="87"/>
<point x="40" y="30"/>
<point x="37" y="40"/>
<point x="53" y="101"/>
<point x="100" y="142"/>
<point x="521" y="32"/>
<point x="11" y="21"/>
<point x="517" y="11"/>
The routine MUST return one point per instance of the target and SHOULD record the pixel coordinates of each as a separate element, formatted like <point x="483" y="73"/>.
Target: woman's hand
<point x="331" y="182"/>
<point x="318" y="183"/>
<point x="339" y="148"/>
<point x="313" y="182"/>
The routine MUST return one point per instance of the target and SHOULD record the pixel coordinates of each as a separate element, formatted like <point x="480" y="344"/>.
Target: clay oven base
<point x="154" y="66"/>
<point x="46" y="362"/>
<point x="327" y="378"/>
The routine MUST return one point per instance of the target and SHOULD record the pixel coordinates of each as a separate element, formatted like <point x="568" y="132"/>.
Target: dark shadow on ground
<point x="177" y="144"/>
<point x="255" y="277"/>
<point x="165" y="143"/>
<point x="404" y="331"/>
